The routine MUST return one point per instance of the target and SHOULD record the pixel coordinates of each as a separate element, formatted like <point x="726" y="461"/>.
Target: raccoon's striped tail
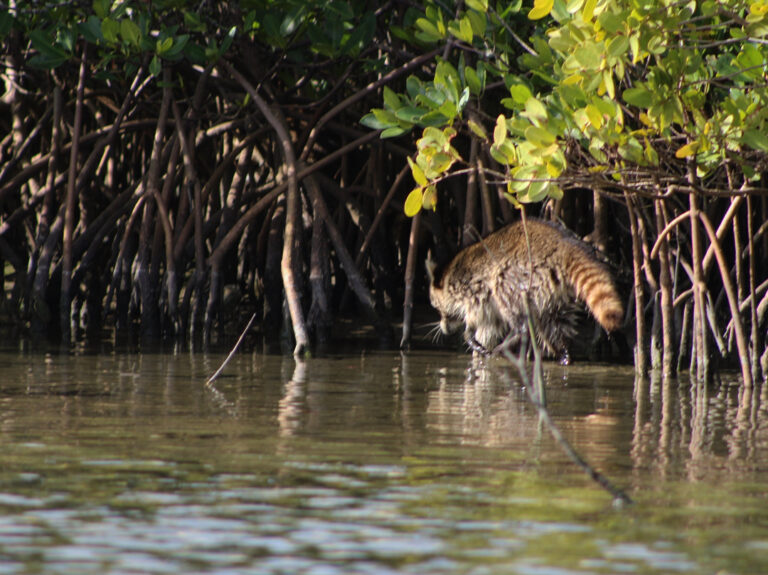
<point x="594" y="286"/>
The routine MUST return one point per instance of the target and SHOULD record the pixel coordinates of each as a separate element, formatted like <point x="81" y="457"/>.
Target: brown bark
<point x="410" y="278"/>
<point x="65" y="302"/>
<point x="342" y="253"/>
<point x="641" y="356"/>
<point x="667" y="312"/>
<point x="291" y="237"/>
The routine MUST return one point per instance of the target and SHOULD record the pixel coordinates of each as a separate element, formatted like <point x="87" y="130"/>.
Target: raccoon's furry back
<point x="484" y="286"/>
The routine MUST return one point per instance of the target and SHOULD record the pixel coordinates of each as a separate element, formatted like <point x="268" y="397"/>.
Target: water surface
<point x="424" y="463"/>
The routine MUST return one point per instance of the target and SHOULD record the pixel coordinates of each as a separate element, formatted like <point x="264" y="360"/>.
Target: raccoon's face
<point x="450" y="321"/>
<point x="451" y="318"/>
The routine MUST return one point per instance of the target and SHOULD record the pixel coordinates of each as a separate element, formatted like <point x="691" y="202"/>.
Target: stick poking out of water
<point x="534" y="388"/>
<point x="231" y="353"/>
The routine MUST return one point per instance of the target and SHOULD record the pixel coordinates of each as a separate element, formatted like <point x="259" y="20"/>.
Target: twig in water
<point x="535" y="394"/>
<point x="231" y="353"/>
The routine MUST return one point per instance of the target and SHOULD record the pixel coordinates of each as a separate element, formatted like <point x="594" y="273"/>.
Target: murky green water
<point x="425" y="463"/>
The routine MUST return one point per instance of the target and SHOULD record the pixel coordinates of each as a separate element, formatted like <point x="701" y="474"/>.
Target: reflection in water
<point x="668" y="428"/>
<point x="682" y="424"/>
<point x="423" y="463"/>
<point x="291" y="406"/>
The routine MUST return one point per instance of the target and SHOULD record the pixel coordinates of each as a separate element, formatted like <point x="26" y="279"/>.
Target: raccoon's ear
<point x="431" y="266"/>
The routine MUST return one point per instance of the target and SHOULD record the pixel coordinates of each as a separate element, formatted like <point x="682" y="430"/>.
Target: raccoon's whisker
<point x="435" y="332"/>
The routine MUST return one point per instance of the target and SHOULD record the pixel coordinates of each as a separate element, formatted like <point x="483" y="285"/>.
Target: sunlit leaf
<point x="539" y="136"/>
<point x="413" y="202"/>
<point x="594" y="115"/>
<point x="535" y="110"/>
<point x="755" y="139"/>
<point x="477" y="5"/>
<point x="418" y="173"/>
<point x="500" y="131"/>
<point x="429" y="198"/>
<point x="520" y="93"/>
<point x="541" y="9"/>
<point x="478" y="21"/>
<point x="429" y="31"/>
<point x="589" y="10"/>
<point x="477" y="129"/>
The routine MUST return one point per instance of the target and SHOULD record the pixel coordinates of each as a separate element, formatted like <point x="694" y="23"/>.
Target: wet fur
<point x="483" y="287"/>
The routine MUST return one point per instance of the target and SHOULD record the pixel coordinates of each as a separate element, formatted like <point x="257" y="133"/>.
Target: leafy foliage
<point x="126" y="120"/>
<point x="602" y="92"/>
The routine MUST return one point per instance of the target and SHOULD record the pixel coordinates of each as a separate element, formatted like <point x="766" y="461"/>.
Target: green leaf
<point x="536" y="192"/>
<point x="110" y="30"/>
<point x="130" y="32"/>
<point x="589" y="10"/>
<point x="410" y="114"/>
<point x="540" y="137"/>
<point x="413" y="202"/>
<point x="617" y="46"/>
<point x="418" y="173"/>
<point x="500" y="131"/>
<point x="541" y="9"/>
<point x="101" y="8"/>
<point x="465" y="28"/>
<point x="589" y="55"/>
<point x="385" y="117"/>
<point x="555" y="192"/>
<point x="6" y="23"/>
<point x="193" y="23"/>
<point x="429" y="31"/>
<point x="228" y="39"/>
<point x="163" y="45"/>
<point x="479" y="22"/>
<point x="505" y="154"/>
<point x="293" y="20"/>
<point x="594" y="115"/>
<point x="520" y="93"/>
<point x="638" y="96"/>
<point x="755" y="139"/>
<point x="391" y="99"/>
<point x="535" y="110"/>
<point x="473" y="80"/>
<point x="371" y="121"/>
<point x="155" y="67"/>
<point x="687" y="150"/>
<point x="50" y="56"/>
<point x="414" y="86"/>
<point x="91" y="29"/>
<point x="429" y="198"/>
<point x="393" y="132"/>
<point x="477" y="129"/>
<point x="434" y="119"/>
<point x="477" y="5"/>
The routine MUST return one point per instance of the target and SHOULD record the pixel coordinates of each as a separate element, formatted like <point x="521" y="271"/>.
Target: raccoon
<point x="484" y="286"/>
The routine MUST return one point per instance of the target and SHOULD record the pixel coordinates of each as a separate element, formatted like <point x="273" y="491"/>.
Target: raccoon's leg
<point x="558" y="327"/>
<point x="511" y="341"/>
<point x="554" y="341"/>
<point x="473" y="343"/>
